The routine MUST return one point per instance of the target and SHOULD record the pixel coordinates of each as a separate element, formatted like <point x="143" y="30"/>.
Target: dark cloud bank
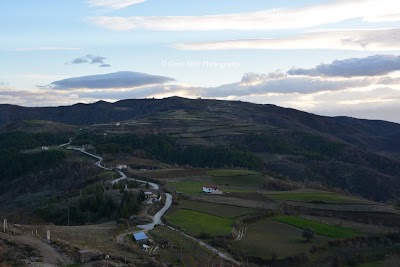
<point x="122" y="79"/>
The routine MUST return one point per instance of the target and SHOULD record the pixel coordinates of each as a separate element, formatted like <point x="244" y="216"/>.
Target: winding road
<point x="158" y="216"/>
<point x="100" y="159"/>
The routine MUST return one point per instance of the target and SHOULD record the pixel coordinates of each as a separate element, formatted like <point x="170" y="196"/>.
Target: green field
<point x="78" y="156"/>
<point x="319" y="228"/>
<point x="315" y="196"/>
<point x="172" y="173"/>
<point x="269" y="237"/>
<point x="109" y="175"/>
<point x="237" y="177"/>
<point x="215" y="209"/>
<point x="189" y="187"/>
<point x="195" y="223"/>
<point x="372" y="264"/>
<point x="217" y="173"/>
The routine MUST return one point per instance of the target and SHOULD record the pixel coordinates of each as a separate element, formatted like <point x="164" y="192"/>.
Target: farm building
<point x="140" y="238"/>
<point x="212" y="189"/>
<point x="121" y="167"/>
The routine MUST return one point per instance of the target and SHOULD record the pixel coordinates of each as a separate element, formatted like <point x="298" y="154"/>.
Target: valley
<point x="94" y="185"/>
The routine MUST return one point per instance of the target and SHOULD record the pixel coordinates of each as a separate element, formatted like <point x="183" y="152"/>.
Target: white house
<point x="121" y="167"/>
<point x="212" y="189"/>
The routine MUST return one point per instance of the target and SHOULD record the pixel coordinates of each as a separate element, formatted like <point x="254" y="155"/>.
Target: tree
<point x="308" y="233"/>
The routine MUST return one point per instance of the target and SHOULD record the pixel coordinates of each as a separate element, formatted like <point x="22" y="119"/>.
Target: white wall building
<point x="212" y="189"/>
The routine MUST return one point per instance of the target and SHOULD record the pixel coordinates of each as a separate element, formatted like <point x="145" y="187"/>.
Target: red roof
<point x="212" y="186"/>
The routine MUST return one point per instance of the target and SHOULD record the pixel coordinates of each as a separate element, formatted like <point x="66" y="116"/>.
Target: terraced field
<point x="319" y="228"/>
<point x="315" y="196"/>
<point x="267" y="238"/>
<point x="224" y="211"/>
<point x="167" y="174"/>
<point x="189" y="187"/>
<point x="242" y="178"/>
<point x="195" y="223"/>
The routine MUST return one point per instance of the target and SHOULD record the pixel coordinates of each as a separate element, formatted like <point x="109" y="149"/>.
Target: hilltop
<point x="358" y="156"/>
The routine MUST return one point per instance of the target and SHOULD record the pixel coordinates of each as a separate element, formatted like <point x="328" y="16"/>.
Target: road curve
<point x="100" y="159"/>
<point x="153" y="186"/>
<point x="158" y="216"/>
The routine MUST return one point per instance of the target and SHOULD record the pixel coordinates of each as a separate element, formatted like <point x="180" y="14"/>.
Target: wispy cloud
<point x="270" y="19"/>
<point x="117" y="80"/>
<point x="114" y="4"/>
<point x="256" y="84"/>
<point x="45" y="48"/>
<point x="360" y="40"/>
<point x="377" y="65"/>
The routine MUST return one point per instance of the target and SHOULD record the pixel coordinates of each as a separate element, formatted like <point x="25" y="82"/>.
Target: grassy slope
<point x="268" y="237"/>
<point x="237" y="177"/>
<point x="194" y="222"/>
<point x="189" y="187"/>
<point x="315" y="196"/>
<point x="319" y="228"/>
<point x="215" y="209"/>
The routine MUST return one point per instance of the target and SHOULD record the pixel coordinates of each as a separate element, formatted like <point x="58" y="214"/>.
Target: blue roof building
<point x="140" y="237"/>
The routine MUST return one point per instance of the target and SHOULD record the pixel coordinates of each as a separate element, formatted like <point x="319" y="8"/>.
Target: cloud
<point x="259" y="84"/>
<point x="359" y="40"/>
<point x="45" y="48"/>
<point x="114" y="4"/>
<point x="38" y="98"/>
<point x="105" y="66"/>
<point x="270" y="19"/>
<point x="123" y="79"/>
<point x="384" y="18"/>
<point x="377" y="65"/>
<point x="387" y="80"/>
<point x="91" y="59"/>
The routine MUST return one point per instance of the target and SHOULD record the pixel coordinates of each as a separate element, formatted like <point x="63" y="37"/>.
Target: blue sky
<point x="218" y="49"/>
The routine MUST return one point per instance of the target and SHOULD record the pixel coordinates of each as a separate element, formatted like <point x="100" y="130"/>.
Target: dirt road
<point x="51" y="257"/>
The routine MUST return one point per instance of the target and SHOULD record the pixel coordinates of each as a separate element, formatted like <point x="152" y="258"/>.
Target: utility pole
<point x="68" y="215"/>
<point x="181" y="250"/>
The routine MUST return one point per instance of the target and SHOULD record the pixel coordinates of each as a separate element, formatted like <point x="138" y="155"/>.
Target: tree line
<point x="162" y="147"/>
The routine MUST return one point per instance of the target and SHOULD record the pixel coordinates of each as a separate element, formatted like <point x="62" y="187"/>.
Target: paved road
<point x="51" y="257"/>
<point x="66" y="144"/>
<point x="158" y="216"/>
<point x="123" y="177"/>
<point x="100" y="159"/>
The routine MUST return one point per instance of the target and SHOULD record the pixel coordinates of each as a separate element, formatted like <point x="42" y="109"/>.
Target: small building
<point x="121" y="167"/>
<point x="140" y="238"/>
<point x="212" y="189"/>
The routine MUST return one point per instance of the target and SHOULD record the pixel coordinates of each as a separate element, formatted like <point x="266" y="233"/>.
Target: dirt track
<point x="51" y="257"/>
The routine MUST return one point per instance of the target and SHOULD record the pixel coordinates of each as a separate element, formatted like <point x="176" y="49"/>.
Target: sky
<point x="322" y="56"/>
